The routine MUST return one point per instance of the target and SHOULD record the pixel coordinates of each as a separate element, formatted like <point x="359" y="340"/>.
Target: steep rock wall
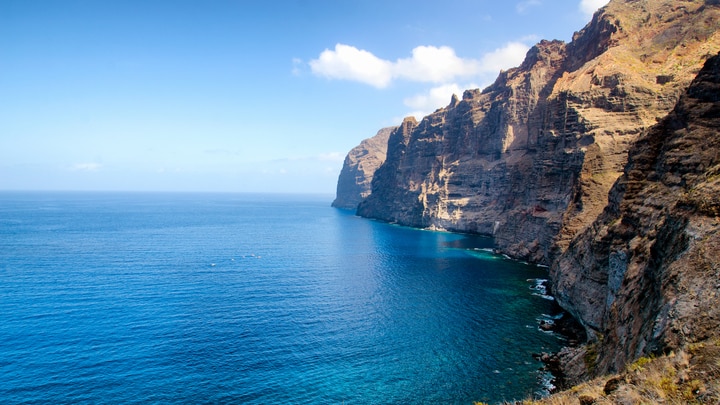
<point x="530" y="159"/>
<point x="645" y="277"/>
<point x="359" y="168"/>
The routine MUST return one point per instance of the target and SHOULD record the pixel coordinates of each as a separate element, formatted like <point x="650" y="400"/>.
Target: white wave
<point x="546" y="383"/>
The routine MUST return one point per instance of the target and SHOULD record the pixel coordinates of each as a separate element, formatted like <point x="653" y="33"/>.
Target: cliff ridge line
<point x="359" y="168"/>
<point x="530" y="159"/>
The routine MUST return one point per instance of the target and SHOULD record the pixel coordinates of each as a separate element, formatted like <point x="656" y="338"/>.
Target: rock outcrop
<point x="530" y="160"/>
<point x="539" y="160"/>
<point x="644" y="278"/>
<point x="359" y="168"/>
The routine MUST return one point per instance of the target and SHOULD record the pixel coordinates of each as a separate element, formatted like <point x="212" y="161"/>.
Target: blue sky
<point x="238" y="96"/>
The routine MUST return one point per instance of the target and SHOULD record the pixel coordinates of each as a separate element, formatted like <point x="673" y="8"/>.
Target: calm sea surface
<point x="231" y="298"/>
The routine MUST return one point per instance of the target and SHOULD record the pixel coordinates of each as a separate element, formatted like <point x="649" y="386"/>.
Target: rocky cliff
<point x="644" y="278"/>
<point x="530" y="160"/>
<point x="359" y="168"/>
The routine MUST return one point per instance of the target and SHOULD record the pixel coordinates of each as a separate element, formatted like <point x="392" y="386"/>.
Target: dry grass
<point x="690" y="376"/>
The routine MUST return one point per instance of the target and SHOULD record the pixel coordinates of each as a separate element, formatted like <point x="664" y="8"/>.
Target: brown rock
<point x="586" y="400"/>
<point x="612" y="385"/>
<point x="530" y="160"/>
<point x="539" y="160"/>
<point x="358" y="170"/>
<point x="643" y="277"/>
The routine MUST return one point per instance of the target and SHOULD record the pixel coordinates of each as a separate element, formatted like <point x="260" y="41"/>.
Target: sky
<point x="238" y="96"/>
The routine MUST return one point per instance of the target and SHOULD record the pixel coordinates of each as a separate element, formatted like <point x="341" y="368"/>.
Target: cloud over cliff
<point x="590" y="6"/>
<point x="441" y="66"/>
<point x="427" y="64"/>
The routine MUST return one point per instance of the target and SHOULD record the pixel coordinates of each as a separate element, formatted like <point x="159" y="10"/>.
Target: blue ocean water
<point x="258" y="299"/>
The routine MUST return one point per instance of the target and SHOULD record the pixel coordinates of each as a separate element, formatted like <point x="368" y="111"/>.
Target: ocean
<point x="122" y="298"/>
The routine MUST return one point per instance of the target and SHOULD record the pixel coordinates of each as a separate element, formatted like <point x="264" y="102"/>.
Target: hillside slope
<point x="644" y="278"/>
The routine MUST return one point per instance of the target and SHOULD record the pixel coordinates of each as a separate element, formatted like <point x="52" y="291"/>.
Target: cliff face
<point x="530" y="160"/>
<point x="645" y="277"/>
<point x="359" y="168"/>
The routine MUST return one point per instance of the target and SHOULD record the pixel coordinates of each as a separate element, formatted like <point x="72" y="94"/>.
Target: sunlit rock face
<point x="530" y="160"/>
<point x="358" y="170"/>
<point x="645" y="277"/>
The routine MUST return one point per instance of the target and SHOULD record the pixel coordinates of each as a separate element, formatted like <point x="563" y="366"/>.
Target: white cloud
<point x="589" y="7"/>
<point x="436" y="65"/>
<point x="349" y="63"/>
<point x="85" y="167"/>
<point x="436" y="97"/>
<point x="428" y="64"/>
<point x="450" y="73"/>
<point x="491" y="63"/>
<point x="506" y="57"/>
<point x="524" y="6"/>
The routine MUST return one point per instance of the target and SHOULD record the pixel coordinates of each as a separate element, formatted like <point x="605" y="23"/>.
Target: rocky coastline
<point x="530" y="160"/>
<point x="599" y="158"/>
<point x="573" y="335"/>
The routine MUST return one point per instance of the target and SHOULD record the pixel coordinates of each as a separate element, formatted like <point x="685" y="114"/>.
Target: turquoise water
<point x="233" y="298"/>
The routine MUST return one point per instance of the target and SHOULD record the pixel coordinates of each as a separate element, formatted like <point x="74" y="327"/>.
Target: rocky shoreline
<point x="573" y="335"/>
<point x="598" y="158"/>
